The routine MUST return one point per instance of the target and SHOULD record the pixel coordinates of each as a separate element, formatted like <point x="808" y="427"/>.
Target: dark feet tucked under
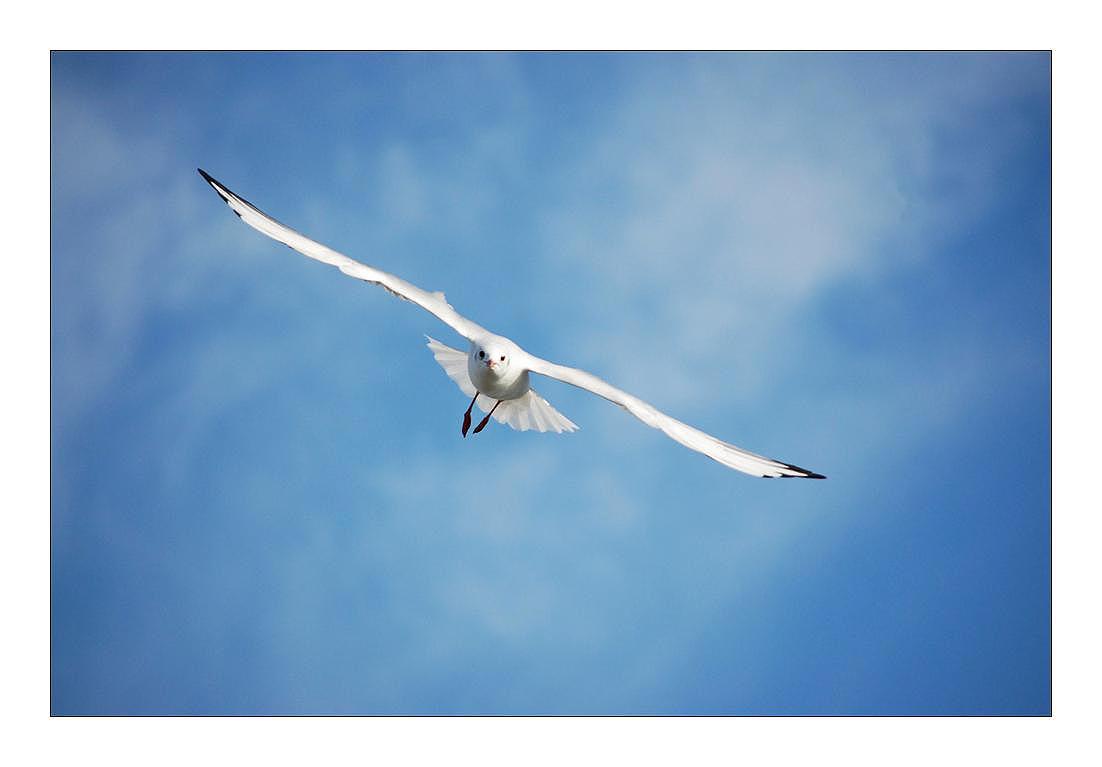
<point x="486" y="420"/>
<point x="467" y="417"/>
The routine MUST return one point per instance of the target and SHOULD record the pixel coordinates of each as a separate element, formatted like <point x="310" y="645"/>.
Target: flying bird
<point x="495" y="372"/>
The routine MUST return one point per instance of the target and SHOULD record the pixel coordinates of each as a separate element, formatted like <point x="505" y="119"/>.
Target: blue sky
<point x="260" y="499"/>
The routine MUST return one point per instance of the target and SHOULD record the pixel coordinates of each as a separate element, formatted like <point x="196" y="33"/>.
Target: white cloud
<point x="713" y="210"/>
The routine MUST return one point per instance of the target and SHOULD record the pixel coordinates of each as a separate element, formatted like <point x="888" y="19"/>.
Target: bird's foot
<point x="467" y="415"/>
<point x="486" y="420"/>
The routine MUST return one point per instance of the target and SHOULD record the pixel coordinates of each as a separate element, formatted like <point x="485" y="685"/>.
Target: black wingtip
<point x="804" y="473"/>
<point x="213" y="183"/>
<point x="221" y="190"/>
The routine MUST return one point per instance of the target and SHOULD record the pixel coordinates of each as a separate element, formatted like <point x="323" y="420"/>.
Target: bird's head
<point x="494" y="357"/>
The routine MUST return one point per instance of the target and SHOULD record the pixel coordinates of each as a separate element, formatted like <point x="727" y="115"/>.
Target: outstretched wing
<point x="716" y="449"/>
<point x="434" y="303"/>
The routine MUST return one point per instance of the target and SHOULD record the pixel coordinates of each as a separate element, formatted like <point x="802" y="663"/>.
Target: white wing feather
<point x="434" y="303"/>
<point x="716" y="449"/>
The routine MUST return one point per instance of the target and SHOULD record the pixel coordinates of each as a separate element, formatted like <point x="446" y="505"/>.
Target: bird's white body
<point x="495" y="372"/>
<point x="504" y="388"/>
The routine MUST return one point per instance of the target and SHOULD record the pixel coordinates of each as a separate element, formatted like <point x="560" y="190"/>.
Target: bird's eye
<point x="481" y="355"/>
<point x="502" y="357"/>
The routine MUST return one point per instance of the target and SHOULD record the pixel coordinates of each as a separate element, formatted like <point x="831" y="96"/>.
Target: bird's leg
<point x="486" y="420"/>
<point x="467" y="415"/>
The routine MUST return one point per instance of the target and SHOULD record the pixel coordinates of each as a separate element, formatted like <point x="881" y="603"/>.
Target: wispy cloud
<point x="720" y="200"/>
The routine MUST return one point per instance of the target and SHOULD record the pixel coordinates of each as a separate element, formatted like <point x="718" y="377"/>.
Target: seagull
<point x="495" y="372"/>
